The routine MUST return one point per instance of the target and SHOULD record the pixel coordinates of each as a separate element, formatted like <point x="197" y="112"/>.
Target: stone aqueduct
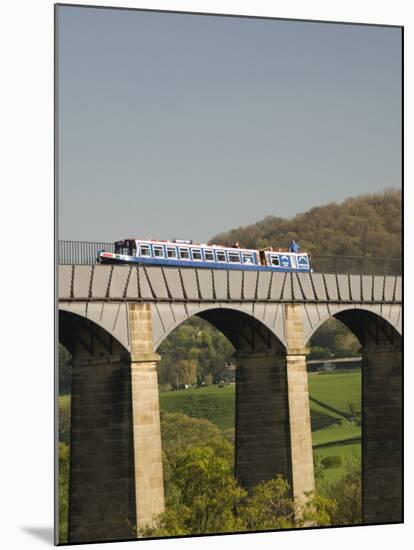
<point x="113" y="318"/>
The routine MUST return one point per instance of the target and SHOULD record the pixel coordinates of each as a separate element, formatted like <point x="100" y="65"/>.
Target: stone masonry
<point x="262" y="421"/>
<point x="101" y="490"/>
<point x="299" y="411"/>
<point x="382" y="447"/>
<point x="149" y="483"/>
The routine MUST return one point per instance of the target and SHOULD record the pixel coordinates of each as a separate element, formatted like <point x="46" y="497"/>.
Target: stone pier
<point x="149" y="483"/>
<point x="101" y="488"/>
<point x="382" y="446"/>
<point x="273" y="430"/>
<point x="303" y="480"/>
<point x="262" y="421"/>
<point x="116" y="477"/>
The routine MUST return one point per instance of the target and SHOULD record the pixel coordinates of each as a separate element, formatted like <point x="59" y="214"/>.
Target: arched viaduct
<point x="113" y="318"/>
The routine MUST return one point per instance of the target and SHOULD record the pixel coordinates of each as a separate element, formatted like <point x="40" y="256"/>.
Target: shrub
<point x="331" y="461"/>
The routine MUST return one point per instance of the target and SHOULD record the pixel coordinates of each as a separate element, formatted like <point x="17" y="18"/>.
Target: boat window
<point x="234" y="257"/>
<point x="209" y="255"/>
<point x="145" y="250"/>
<point x="248" y="258"/>
<point x="171" y="252"/>
<point x="196" y="252"/>
<point x="220" y="255"/>
<point x="274" y="260"/>
<point x="184" y="253"/>
<point x="158" y="251"/>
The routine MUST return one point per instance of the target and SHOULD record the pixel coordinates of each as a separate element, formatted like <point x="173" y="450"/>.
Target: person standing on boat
<point x="294" y="246"/>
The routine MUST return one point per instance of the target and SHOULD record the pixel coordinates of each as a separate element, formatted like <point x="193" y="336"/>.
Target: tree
<point x="368" y="225"/>
<point x="183" y="371"/>
<point x="333" y="339"/>
<point x="202" y="495"/>
<point x="208" y="495"/>
<point x="65" y="370"/>
<point x="179" y="432"/>
<point x="318" y="511"/>
<point x="269" y="507"/>
<point x="63" y="491"/>
<point x="346" y="493"/>
<point x="195" y="340"/>
<point x="209" y="489"/>
<point x="64" y="421"/>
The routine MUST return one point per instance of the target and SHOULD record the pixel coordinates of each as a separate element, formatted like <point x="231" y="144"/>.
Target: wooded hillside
<point x="368" y="225"/>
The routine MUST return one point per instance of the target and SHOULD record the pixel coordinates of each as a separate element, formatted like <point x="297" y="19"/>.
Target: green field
<point x="337" y="389"/>
<point x="345" y="451"/>
<point x="214" y="403"/>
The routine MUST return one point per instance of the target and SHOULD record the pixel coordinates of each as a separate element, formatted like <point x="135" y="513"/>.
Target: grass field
<point x="345" y="451"/>
<point x="211" y="402"/>
<point x="337" y="389"/>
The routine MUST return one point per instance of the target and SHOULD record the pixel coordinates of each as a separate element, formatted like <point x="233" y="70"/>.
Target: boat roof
<point x="193" y="244"/>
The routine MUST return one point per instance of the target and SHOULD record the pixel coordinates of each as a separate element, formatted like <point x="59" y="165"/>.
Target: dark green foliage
<point x="200" y="489"/>
<point x="332" y="461"/>
<point x="269" y="507"/>
<point x="202" y="495"/>
<point x="368" y="225"/>
<point x="346" y="493"/>
<point x="208" y="490"/>
<point x="318" y="467"/>
<point x="196" y="341"/>
<point x="180" y="433"/>
<point x="207" y="495"/>
<point x="63" y="491"/>
<point x="65" y="370"/>
<point x="333" y="339"/>
<point x="318" y="511"/>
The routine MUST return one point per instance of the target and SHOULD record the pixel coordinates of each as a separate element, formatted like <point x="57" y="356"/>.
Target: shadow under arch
<point x="167" y="324"/>
<point x="242" y="329"/>
<point x="262" y="430"/>
<point x="349" y="314"/>
<point x="85" y="338"/>
<point x="381" y="449"/>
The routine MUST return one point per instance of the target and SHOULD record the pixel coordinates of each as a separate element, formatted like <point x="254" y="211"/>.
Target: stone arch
<point x="314" y="315"/>
<point x="241" y="328"/>
<point x="167" y="317"/>
<point x="87" y="339"/>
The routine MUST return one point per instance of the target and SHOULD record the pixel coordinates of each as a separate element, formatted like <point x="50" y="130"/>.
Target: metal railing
<point x="85" y="253"/>
<point x="81" y="252"/>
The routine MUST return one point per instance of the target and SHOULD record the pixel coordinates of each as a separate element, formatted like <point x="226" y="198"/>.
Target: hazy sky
<point x="183" y="126"/>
